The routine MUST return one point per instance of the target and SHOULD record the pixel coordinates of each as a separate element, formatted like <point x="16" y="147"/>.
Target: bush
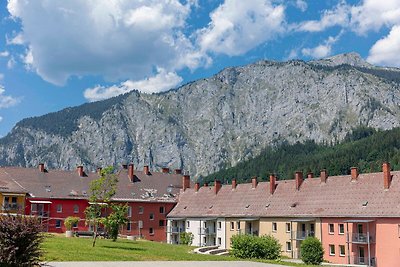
<point x="186" y="238"/>
<point x="20" y="240"/>
<point x="248" y="246"/>
<point x="312" y="251"/>
<point x="70" y="221"/>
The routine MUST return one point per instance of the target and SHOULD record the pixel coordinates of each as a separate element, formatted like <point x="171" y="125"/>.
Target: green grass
<point x="60" y="248"/>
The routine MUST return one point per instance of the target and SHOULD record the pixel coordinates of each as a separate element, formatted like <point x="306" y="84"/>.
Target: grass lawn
<point x="60" y="248"/>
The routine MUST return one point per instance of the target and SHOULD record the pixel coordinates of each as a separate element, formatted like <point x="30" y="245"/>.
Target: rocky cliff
<point x="214" y="122"/>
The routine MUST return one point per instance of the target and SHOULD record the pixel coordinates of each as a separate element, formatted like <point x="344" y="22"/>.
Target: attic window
<point x="247" y="206"/>
<point x="185" y="207"/>
<point x="293" y="205"/>
<point x="365" y="204"/>
<point x="210" y="207"/>
<point x="47" y="188"/>
<point x="267" y="206"/>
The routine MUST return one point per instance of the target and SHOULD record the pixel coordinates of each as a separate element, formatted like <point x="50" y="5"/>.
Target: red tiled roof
<point x="68" y="184"/>
<point x="338" y="197"/>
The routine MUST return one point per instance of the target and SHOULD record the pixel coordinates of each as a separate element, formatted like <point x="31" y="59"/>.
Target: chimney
<point x="217" y="186"/>
<point x="41" y="167"/>
<point x="98" y="170"/>
<point x="324" y="176"/>
<point x="131" y="172"/>
<point x="354" y="173"/>
<point x="310" y="175"/>
<point x="299" y="179"/>
<point x="185" y="182"/>
<point x="124" y="166"/>
<point x="80" y="170"/>
<point x="178" y="171"/>
<point x="234" y="184"/>
<point x="146" y="169"/>
<point x="165" y="170"/>
<point x="205" y="184"/>
<point x="387" y="177"/>
<point x="254" y="182"/>
<point x="196" y="187"/>
<point x="272" y="183"/>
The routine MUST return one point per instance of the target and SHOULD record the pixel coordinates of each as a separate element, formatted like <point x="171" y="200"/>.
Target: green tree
<point x="100" y="194"/>
<point x="115" y="219"/>
<point x="312" y="251"/>
<point x="186" y="238"/>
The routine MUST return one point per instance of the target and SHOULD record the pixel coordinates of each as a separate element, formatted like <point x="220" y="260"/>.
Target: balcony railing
<point x="173" y="229"/>
<point x="360" y="238"/>
<point x="11" y="206"/>
<point x="206" y="231"/>
<point x="301" y="235"/>
<point x="363" y="261"/>
<point x="40" y="213"/>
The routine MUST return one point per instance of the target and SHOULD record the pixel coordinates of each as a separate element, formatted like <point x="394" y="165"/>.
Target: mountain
<point x="216" y="122"/>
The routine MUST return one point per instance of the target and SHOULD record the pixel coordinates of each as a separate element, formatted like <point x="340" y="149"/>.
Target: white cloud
<point x="1" y="77"/>
<point x="162" y="81"/>
<point x="4" y="54"/>
<point x="373" y="14"/>
<point x="387" y="50"/>
<point x="322" y="50"/>
<point x="1" y="118"/>
<point x="301" y="4"/>
<point x="339" y="16"/>
<point x="7" y="101"/>
<point x="238" y="26"/>
<point x="16" y="40"/>
<point x="119" y="39"/>
<point x="11" y="62"/>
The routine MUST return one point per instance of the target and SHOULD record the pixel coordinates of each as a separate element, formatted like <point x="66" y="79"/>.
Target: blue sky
<point x="56" y="54"/>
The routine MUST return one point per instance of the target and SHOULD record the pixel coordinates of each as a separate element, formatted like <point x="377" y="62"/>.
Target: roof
<point x="62" y="184"/>
<point x="338" y="197"/>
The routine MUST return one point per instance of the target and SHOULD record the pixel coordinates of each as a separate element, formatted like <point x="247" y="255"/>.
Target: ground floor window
<point x="151" y="231"/>
<point x="288" y="246"/>
<point x="58" y="223"/>
<point x="128" y="226"/>
<point x="342" y="250"/>
<point x="219" y="240"/>
<point x="332" y="250"/>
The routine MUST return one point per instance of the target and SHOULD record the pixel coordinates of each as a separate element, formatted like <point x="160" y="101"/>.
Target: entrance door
<point x="249" y="228"/>
<point x="361" y="255"/>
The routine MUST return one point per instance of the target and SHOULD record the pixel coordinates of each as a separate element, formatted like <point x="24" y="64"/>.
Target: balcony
<point x="43" y="214"/>
<point x="206" y="231"/>
<point x="301" y="235"/>
<point x="175" y="230"/>
<point x="11" y="207"/>
<point x="358" y="238"/>
<point x="362" y="261"/>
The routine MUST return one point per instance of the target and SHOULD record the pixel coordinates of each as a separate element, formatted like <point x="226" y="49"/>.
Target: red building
<point x="53" y="195"/>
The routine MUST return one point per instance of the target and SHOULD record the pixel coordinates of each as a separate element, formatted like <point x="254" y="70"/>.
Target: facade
<point x="356" y="216"/>
<point x="53" y="195"/>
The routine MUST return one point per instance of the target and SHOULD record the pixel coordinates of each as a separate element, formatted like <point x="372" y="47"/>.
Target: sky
<point x="56" y="54"/>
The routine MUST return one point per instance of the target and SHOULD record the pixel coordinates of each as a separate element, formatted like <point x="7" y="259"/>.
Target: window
<point x="288" y="246"/>
<point x="59" y="208"/>
<point x="151" y="216"/>
<point x="161" y="223"/>
<point x="129" y="211"/>
<point x="205" y="224"/>
<point x="219" y="241"/>
<point x="14" y="200"/>
<point x="75" y="225"/>
<point x="219" y="225"/>
<point x="204" y="240"/>
<point x="331" y="228"/>
<point x="140" y="224"/>
<point x="128" y="226"/>
<point x="342" y="250"/>
<point x="76" y="208"/>
<point x="141" y="209"/>
<point x="287" y="227"/>
<point x="238" y="225"/>
<point x="274" y="227"/>
<point x="332" y="250"/>
<point x="151" y="231"/>
<point x="341" y="229"/>
<point x="188" y="224"/>
<point x="58" y="223"/>
<point x="232" y="226"/>
<point x="162" y="210"/>
<point x="33" y="207"/>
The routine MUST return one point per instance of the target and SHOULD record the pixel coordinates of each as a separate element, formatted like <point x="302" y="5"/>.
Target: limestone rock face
<point x="215" y="122"/>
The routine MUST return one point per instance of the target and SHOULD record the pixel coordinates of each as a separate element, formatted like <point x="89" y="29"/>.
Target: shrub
<point x="20" y="240"/>
<point x="248" y="246"/>
<point x="70" y="221"/>
<point x="312" y="251"/>
<point x="186" y="238"/>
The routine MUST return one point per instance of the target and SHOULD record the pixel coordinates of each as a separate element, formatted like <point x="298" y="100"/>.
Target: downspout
<point x="369" y="247"/>
<point x="348" y="243"/>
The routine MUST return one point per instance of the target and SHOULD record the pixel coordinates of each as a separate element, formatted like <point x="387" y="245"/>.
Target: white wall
<point x="221" y="232"/>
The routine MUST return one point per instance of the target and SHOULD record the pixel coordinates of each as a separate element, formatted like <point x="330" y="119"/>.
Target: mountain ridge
<point x="214" y="122"/>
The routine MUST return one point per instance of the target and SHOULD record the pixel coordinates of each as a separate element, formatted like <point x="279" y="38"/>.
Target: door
<point x="361" y="255"/>
<point x="40" y="209"/>
<point x="360" y="228"/>
<point x="249" y="228"/>
<point x="312" y="229"/>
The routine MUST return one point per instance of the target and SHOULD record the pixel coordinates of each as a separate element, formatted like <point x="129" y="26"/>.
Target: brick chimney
<point x="310" y="175"/>
<point x="178" y="171"/>
<point x="98" y="170"/>
<point x="354" y="173"/>
<point x="185" y="182"/>
<point x="387" y="177"/>
<point x="324" y="175"/>
<point x="205" y="184"/>
<point x="299" y="179"/>
<point x="41" y="167"/>
<point x="217" y="186"/>
<point x="272" y="183"/>
<point x="254" y="182"/>
<point x="196" y="187"/>
<point x="165" y="170"/>
<point x="80" y="170"/>
<point x="146" y="169"/>
<point x="234" y="184"/>
<point x="131" y="172"/>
